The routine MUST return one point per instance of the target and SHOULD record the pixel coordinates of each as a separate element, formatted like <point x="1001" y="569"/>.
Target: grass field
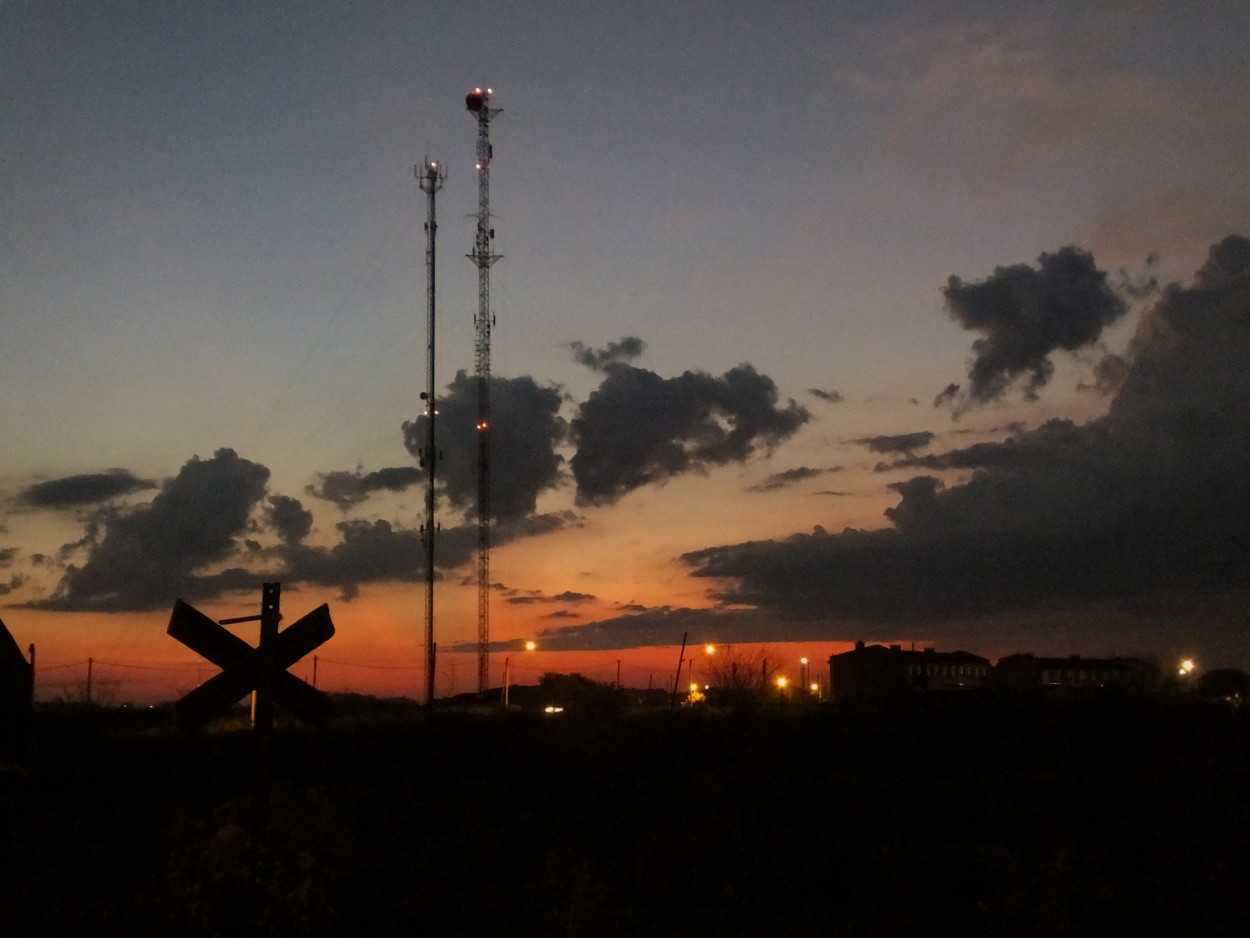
<point x="976" y="815"/>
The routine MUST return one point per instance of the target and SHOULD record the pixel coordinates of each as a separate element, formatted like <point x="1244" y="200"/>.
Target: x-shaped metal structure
<point x="245" y="669"/>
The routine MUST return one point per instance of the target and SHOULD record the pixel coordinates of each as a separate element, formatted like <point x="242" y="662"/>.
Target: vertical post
<point x="680" y="661"/>
<point x="618" y="673"/>
<point x="90" y="668"/>
<point x="505" y="681"/>
<point x="262" y="718"/>
<point x="271" y="595"/>
<point x="314" y="680"/>
<point x="32" y="673"/>
<point x="430" y="176"/>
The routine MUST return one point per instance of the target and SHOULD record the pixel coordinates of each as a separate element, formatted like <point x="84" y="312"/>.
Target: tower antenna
<point x="483" y="256"/>
<point x="430" y="175"/>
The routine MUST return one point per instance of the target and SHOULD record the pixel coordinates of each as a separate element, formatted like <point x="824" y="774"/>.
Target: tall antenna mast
<point x="430" y="175"/>
<point x="478" y="103"/>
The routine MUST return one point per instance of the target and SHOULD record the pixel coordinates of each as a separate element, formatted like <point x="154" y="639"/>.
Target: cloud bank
<point x="1150" y="497"/>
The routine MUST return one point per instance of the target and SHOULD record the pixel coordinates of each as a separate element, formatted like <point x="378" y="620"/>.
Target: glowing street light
<point x="531" y="645"/>
<point x="1187" y="667"/>
<point x="783" y="682"/>
<point x="709" y="649"/>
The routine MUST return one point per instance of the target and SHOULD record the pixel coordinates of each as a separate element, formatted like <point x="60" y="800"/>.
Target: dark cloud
<point x="1027" y="313"/>
<point x="785" y="479"/>
<point x="829" y="397"/>
<point x="289" y="518"/>
<point x="367" y="551"/>
<point x="665" y="625"/>
<point x="948" y="395"/>
<point x="637" y="428"/>
<point x="1110" y="374"/>
<point x="595" y="359"/>
<point x="79" y="490"/>
<point x="1147" y="500"/>
<point x="348" y="489"/>
<point x="15" y="582"/>
<point x="153" y="554"/>
<point x="899" y="443"/>
<point x="525" y="430"/>
<point x="7" y="556"/>
<point x="535" y="596"/>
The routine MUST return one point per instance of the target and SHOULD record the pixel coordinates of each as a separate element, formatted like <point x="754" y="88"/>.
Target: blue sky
<point x="213" y="240"/>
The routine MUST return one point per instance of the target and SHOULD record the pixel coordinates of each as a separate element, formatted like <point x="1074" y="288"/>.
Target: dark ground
<point x="977" y="816"/>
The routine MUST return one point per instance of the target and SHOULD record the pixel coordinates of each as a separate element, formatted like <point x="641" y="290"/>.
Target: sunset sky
<point x="816" y="322"/>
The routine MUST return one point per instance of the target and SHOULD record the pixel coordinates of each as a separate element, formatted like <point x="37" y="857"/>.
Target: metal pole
<point x="677" y="680"/>
<point x="430" y="176"/>
<point x="505" y="681"/>
<point x="90" y="668"/>
<point x="271" y="596"/>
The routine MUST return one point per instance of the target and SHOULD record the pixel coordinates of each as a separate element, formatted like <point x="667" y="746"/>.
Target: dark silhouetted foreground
<point x="967" y="815"/>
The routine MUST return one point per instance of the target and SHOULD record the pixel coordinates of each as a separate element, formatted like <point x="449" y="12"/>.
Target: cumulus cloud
<point x="76" y="491"/>
<point x="1025" y="314"/>
<point x="1150" y="497"/>
<point x="367" y="551"/>
<point x="525" y="430"/>
<point x="626" y="350"/>
<point x="348" y="489"/>
<point x="153" y="554"/>
<point x="289" y="518"/>
<point x="637" y="428"/>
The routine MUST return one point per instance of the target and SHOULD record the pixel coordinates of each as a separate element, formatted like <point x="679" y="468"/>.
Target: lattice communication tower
<point x="483" y="256"/>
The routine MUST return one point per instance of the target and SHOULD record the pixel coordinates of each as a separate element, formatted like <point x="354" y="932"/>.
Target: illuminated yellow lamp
<point x="709" y="649"/>
<point x="782" y="682"/>
<point x="815" y="688"/>
<point x="694" y="688"/>
<point x="531" y="645"/>
<point x="802" y="661"/>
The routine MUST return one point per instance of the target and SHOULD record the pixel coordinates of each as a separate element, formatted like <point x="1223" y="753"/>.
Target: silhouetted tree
<point x="742" y="672"/>
<point x="576" y="692"/>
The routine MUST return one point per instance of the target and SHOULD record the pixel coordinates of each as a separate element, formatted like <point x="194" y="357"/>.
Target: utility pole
<point x="430" y="175"/>
<point x="483" y="256"/>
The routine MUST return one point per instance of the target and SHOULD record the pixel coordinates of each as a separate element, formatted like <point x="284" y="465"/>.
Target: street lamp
<point x="530" y="645"/>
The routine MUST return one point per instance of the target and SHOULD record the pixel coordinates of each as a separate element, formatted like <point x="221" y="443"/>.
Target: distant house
<point x="883" y="672"/>
<point x="1073" y="674"/>
<point x="16" y="684"/>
